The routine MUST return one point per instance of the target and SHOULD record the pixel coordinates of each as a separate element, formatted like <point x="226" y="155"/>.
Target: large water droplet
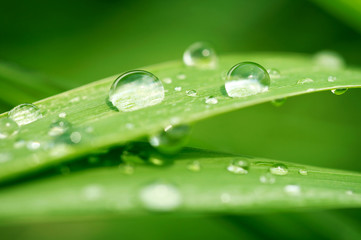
<point x="279" y="169"/>
<point x="25" y="113"/>
<point x="160" y="197"/>
<point x="246" y="79"/>
<point x="200" y="55"/>
<point x="329" y="59"/>
<point x="8" y="127"/>
<point x="171" y="139"/>
<point x="238" y="167"/>
<point x="339" y="91"/>
<point x="59" y="127"/>
<point x="135" y="90"/>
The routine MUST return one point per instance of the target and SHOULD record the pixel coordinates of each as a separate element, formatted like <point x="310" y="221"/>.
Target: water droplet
<point x="89" y="129"/>
<point x="75" y="137"/>
<point x="33" y="145"/>
<point x="267" y="178"/>
<point x="5" y="157"/>
<point x="304" y="81"/>
<point x="246" y="79"/>
<point x="25" y="113"/>
<point x="76" y="99"/>
<point x="156" y="161"/>
<point x="62" y="115"/>
<point x="178" y="89"/>
<point x="129" y="125"/>
<point x="194" y="166"/>
<point x="160" y="197"/>
<point x="92" y="192"/>
<point x="135" y="90"/>
<point x="19" y="143"/>
<point x="8" y="127"/>
<point x="339" y="91"/>
<point x="349" y="192"/>
<point x="167" y="80"/>
<point x="238" y="167"/>
<point x="191" y="93"/>
<point x="331" y="79"/>
<point x="279" y="169"/>
<point x="278" y="102"/>
<point x="303" y="172"/>
<point x="292" y="189"/>
<point x="211" y="100"/>
<point x="274" y="73"/>
<point x="181" y="76"/>
<point x="329" y="60"/>
<point x="59" y="127"/>
<point x="200" y="55"/>
<point x="226" y="198"/>
<point x="171" y="139"/>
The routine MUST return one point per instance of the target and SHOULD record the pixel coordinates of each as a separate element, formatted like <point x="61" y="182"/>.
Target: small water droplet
<point x="33" y="145"/>
<point x="274" y="73"/>
<point x="226" y="198"/>
<point x="89" y="129"/>
<point x="194" y="166"/>
<point x="191" y="93"/>
<point x="25" y="113"/>
<point x="329" y="59"/>
<point x="339" y="91"/>
<point x="305" y="81"/>
<point x="156" y="161"/>
<point x="303" y="172"/>
<point x="167" y="80"/>
<point x="129" y="125"/>
<point x="135" y="90"/>
<point x="171" y="139"/>
<point x="211" y="100"/>
<point x="161" y="197"/>
<point x="92" y="192"/>
<point x="181" y="76"/>
<point x="75" y="137"/>
<point x="267" y="178"/>
<point x="292" y="189"/>
<point x="238" y="166"/>
<point x="200" y="55"/>
<point x="5" y="157"/>
<point x="59" y="127"/>
<point x="73" y="100"/>
<point x="19" y="143"/>
<point x="331" y="79"/>
<point x="8" y="128"/>
<point x="178" y="89"/>
<point x="279" y="169"/>
<point x="246" y="79"/>
<point x="349" y="192"/>
<point x="62" y="115"/>
<point x="278" y="102"/>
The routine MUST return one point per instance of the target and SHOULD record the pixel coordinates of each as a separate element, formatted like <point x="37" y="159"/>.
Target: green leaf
<point x="87" y="107"/>
<point x="213" y="189"/>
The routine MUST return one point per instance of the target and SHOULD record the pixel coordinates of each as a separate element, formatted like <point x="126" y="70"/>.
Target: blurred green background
<point x="47" y="47"/>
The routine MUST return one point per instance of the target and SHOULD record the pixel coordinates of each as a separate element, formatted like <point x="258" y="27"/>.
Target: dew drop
<point x="303" y="172"/>
<point x="5" y="157"/>
<point x="292" y="189"/>
<point x="8" y="128"/>
<point x="267" y="178"/>
<point x="157" y="161"/>
<point x="305" y="81"/>
<point x="238" y="167"/>
<point x="161" y="197"/>
<point x="178" y="89"/>
<point x="194" y="166"/>
<point x="329" y="60"/>
<point x="200" y="55"/>
<point x="75" y="137"/>
<point x="59" y="127"/>
<point x="339" y="91"/>
<point x="135" y="90"/>
<point x="25" y="113"/>
<point x="129" y="126"/>
<point x="225" y="198"/>
<point x="181" y="76"/>
<point x="349" y="192"/>
<point x="211" y="100"/>
<point x="191" y="93"/>
<point x="274" y="73"/>
<point x="278" y="102"/>
<point x="331" y="79"/>
<point x="92" y="192"/>
<point x="74" y="100"/>
<point x="279" y="169"/>
<point x="246" y="79"/>
<point x="171" y="139"/>
<point x="167" y="80"/>
<point x="33" y="145"/>
<point x="62" y="115"/>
